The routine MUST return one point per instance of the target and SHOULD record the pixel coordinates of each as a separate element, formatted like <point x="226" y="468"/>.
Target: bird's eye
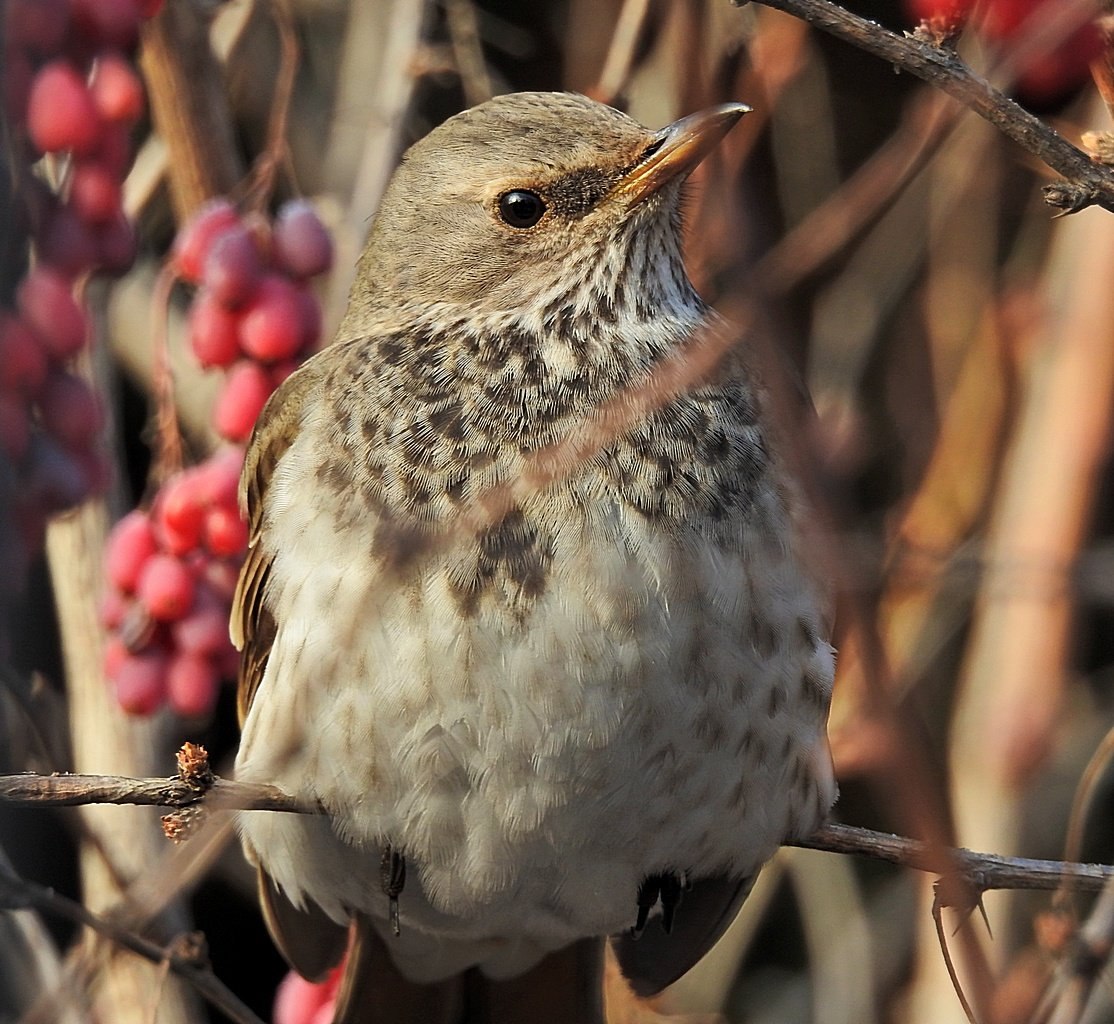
<point x="521" y="209"/>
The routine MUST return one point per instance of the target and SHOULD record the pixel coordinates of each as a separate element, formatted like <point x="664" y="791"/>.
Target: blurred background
<point x="880" y="248"/>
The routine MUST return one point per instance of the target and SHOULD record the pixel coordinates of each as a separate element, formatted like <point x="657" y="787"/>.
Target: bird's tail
<point x="565" y="988"/>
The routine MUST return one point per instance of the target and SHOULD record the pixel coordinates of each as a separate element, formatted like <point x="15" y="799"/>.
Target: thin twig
<point x="186" y="957"/>
<point x="1086" y="183"/>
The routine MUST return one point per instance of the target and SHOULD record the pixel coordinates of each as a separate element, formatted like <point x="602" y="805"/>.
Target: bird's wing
<point x="252" y="626"/>
<point x="656" y="959"/>
<point x="310" y="941"/>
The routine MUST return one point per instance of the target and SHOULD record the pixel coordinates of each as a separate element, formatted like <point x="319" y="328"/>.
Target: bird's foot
<point x="392" y="879"/>
<point x="667" y="888"/>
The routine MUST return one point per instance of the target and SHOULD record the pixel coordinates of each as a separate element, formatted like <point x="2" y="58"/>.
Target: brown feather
<point x="251" y="625"/>
<point x="311" y="942"/>
<point x="373" y="991"/>
<point x="565" y="988"/>
<point x="656" y="959"/>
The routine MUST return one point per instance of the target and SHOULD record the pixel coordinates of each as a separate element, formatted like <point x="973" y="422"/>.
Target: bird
<point x="536" y="720"/>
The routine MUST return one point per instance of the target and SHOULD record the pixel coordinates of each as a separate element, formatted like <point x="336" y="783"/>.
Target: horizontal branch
<point x="980" y="872"/>
<point x="1087" y="183"/>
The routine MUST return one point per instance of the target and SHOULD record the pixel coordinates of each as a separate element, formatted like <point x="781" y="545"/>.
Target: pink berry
<point x="195" y="239"/>
<point x="221" y="577"/>
<point x="232" y="268"/>
<point x="22" y="359"/>
<point x="116" y="89"/>
<point x="140" y="681"/>
<point x="246" y="390"/>
<point x="47" y="305"/>
<point x="302" y="245"/>
<point x="166" y="588"/>
<point x="214" y="332"/>
<point x="70" y="410"/>
<point x="60" y="111"/>
<point x="15" y="426"/>
<point x="94" y="192"/>
<point x="271" y="328"/>
<point x="131" y="544"/>
<point x="192" y="684"/>
<point x="226" y="534"/>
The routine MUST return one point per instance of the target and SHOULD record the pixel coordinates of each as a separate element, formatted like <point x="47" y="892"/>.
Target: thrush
<point x="595" y="711"/>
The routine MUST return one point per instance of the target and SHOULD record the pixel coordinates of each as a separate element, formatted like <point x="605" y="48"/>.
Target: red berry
<point x="113" y="609"/>
<point x="191" y="685"/>
<point x="221" y="577"/>
<point x="115" y="650"/>
<point x="205" y="630"/>
<point x="18" y="74"/>
<point x="311" y="317"/>
<point x="131" y="544"/>
<point x="48" y="307"/>
<point x="22" y="359"/>
<point x="232" y="267"/>
<point x="114" y="148"/>
<point x="226" y="534"/>
<point x="166" y="588"/>
<point x="196" y="238"/>
<point x="181" y="512"/>
<point x="140" y="681"/>
<point x="245" y="392"/>
<point x="271" y="328"/>
<point x="107" y="23"/>
<point x="67" y="242"/>
<point x="56" y="479"/>
<point x="94" y="191"/>
<point x="15" y="426"/>
<point x="37" y="25"/>
<point x="70" y="410"/>
<point x="149" y="8"/>
<point x="302" y="245"/>
<point x="218" y="478"/>
<point x="116" y="245"/>
<point x="214" y="332"/>
<point x="60" y="111"/>
<point x="116" y="89"/>
<point x="280" y="371"/>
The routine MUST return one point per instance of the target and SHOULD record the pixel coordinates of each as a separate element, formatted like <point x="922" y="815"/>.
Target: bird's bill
<point x="681" y="146"/>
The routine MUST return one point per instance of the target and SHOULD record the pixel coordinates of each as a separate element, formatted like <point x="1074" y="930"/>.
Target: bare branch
<point x="977" y="872"/>
<point x="186" y="956"/>
<point x="1086" y="183"/>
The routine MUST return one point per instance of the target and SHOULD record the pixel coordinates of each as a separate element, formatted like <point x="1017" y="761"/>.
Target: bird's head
<point x="529" y="197"/>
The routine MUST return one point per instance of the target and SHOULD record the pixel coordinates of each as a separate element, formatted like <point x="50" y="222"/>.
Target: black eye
<point x="521" y="209"/>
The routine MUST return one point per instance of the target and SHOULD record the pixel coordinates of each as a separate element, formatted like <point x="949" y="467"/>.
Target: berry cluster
<point x="70" y="93"/>
<point x="171" y="574"/>
<point x="172" y="571"/>
<point x="254" y="315"/>
<point x="1048" y="76"/>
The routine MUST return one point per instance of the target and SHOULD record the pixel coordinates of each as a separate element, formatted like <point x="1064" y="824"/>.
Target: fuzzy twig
<point x="1085" y="183"/>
